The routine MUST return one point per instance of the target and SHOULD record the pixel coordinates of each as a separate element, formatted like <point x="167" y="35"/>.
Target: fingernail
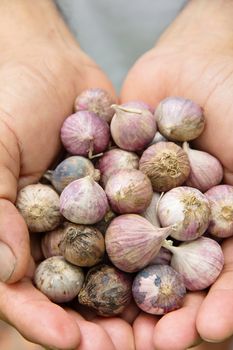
<point x="7" y="262"/>
<point x="212" y="340"/>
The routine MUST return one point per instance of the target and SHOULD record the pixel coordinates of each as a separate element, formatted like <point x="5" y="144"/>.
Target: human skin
<point x="42" y="70"/>
<point x="194" y="59"/>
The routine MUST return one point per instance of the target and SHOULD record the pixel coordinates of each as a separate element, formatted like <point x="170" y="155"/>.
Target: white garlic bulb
<point x="59" y="280"/>
<point x="39" y="206"/>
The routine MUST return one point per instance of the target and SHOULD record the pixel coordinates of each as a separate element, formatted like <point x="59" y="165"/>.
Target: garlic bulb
<point x="179" y="119"/>
<point x="138" y="104"/>
<point x="103" y="224"/>
<point x="132" y="241"/>
<point x="132" y="129"/>
<point x="129" y="191"/>
<point x="70" y="169"/>
<point x="158" y="289"/>
<point x="157" y="138"/>
<point x="39" y="206"/>
<point x="82" y="245"/>
<point x="51" y="240"/>
<point x="151" y="211"/>
<point x="84" y="133"/>
<point x="206" y="170"/>
<point x="187" y="207"/>
<point x="162" y="258"/>
<point x="95" y="100"/>
<point x="59" y="280"/>
<point x="114" y="160"/>
<point x="166" y="165"/>
<point x="199" y="262"/>
<point x="221" y="203"/>
<point x="83" y="201"/>
<point x="106" y="290"/>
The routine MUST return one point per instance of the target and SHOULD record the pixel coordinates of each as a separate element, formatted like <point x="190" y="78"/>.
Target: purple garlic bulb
<point x="206" y="170"/>
<point x="158" y="289"/>
<point x="83" y="201"/>
<point x="129" y="191"/>
<point x="84" y="133"/>
<point x="187" y="207"/>
<point x="96" y="100"/>
<point x="132" y="129"/>
<point x="114" y="160"/>
<point x="132" y="241"/>
<point x="179" y="119"/>
<point x="199" y="262"/>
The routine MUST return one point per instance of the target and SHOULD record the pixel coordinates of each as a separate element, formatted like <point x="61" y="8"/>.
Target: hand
<point x="193" y="59"/>
<point x="42" y="70"/>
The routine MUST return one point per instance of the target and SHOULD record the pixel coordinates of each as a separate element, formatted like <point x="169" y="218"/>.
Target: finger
<point x="144" y="81"/>
<point x="143" y="328"/>
<point x="119" y="331"/>
<point x="93" y="336"/>
<point x="214" y="320"/>
<point x="177" y="329"/>
<point x="36" y="318"/>
<point x="130" y="313"/>
<point x="228" y="177"/>
<point x="14" y="243"/>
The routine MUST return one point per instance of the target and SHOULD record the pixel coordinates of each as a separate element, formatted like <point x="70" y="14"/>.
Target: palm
<point x="37" y="92"/>
<point x="206" y="78"/>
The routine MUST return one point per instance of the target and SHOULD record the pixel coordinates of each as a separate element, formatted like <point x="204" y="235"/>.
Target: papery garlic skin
<point x="129" y="191"/>
<point x="106" y="290"/>
<point x="70" y="169"/>
<point x="163" y="257"/>
<point x="132" y="129"/>
<point x="114" y="160"/>
<point x="95" y="100"/>
<point x="51" y="240"/>
<point x="157" y="138"/>
<point x="59" y="280"/>
<point x="199" y="262"/>
<point x="83" y="201"/>
<point x="206" y="170"/>
<point x="179" y="119"/>
<point x="158" y="289"/>
<point x="166" y="165"/>
<point x="221" y="203"/>
<point x="82" y="245"/>
<point x="187" y="207"/>
<point x="39" y="206"/>
<point x="138" y="104"/>
<point x="132" y="241"/>
<point x="84" y="133"/>
<point x="103" y="224"/>
<point x="151" y="211"/>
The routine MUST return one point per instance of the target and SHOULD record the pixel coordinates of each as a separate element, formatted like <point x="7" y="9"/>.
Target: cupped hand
<point x="193" y="59"/>
<point x="39" y="81"/>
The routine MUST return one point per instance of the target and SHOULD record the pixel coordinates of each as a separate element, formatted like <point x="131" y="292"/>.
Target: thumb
<point x="14" y="238"/>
